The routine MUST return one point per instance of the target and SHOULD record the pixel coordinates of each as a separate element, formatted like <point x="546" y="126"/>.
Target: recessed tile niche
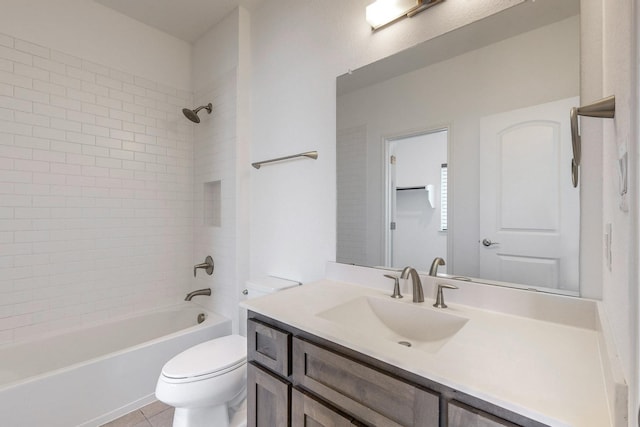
<point x="212" y="202"/>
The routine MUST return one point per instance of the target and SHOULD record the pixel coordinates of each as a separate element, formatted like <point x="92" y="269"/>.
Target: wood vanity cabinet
<point x="296" y="379"/>
<point x="464" y="416"/>
<point x="307" y="411"/>
<point x="268" y="398"/>
<point x="374" y="397"/>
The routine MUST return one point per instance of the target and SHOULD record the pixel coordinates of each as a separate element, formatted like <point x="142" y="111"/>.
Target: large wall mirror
<point x="460" y="148"/>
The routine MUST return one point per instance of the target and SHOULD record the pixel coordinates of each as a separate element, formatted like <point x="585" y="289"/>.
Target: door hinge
<point x="392" y="226"/>
<point x="392" y="160"/>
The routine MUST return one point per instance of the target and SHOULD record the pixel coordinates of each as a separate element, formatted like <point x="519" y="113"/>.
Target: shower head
<point x="193" y="114"/>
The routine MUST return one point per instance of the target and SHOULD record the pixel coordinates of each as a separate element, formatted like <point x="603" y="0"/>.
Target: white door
<point x="413" y="177"/>
<point x="529" y="211"/>
<point x="390" y="224"/>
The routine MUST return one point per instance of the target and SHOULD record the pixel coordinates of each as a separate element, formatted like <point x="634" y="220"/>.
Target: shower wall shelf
<point x="309" y="154"/>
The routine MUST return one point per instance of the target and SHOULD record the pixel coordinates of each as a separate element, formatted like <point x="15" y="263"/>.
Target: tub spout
<point x="190" y="295"/>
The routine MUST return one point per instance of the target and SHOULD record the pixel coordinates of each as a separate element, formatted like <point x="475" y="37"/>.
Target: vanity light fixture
<point x="383" y="12"/>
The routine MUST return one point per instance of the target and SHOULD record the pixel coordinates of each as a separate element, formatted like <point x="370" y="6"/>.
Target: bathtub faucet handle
<point x="207" y="265"/>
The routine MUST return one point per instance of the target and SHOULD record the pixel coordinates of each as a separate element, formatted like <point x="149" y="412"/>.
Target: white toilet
<point x="204" y="380"/>
<point x="207" y="383"/>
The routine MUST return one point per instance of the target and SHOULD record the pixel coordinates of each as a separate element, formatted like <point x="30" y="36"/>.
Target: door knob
<point x="487" y="242"/>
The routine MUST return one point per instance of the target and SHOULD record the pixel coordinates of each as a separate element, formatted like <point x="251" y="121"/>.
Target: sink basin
<point x="416" y="326"/>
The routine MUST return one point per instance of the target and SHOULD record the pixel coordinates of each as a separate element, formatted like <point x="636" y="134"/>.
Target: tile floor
<point x="155" y="414"/>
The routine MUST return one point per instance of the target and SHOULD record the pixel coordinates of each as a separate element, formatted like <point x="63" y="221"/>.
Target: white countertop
<point x="547" y="371"/>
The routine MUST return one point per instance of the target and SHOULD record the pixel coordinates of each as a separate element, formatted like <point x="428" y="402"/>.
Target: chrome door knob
<point x="487" y="242"/>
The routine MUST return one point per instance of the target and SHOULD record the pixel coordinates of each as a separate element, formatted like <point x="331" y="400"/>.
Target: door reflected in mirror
<point x="416" y="199"/>
<point x="500" y="88"/>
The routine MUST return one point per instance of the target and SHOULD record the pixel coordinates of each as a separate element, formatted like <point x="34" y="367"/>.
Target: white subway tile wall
<point x="352" y="191"/>
<point x="215" y="161"/>
<point x="96" y="192"/>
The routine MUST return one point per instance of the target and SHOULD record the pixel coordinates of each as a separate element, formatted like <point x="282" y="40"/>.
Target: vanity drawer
<point x="269" y="346"/>
<point x="363" y="392"/>
<point x="307" y="411"/>
<point x="461" y="415"/>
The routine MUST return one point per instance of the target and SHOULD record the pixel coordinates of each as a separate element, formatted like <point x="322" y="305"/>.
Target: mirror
<point x="497" y="201"/>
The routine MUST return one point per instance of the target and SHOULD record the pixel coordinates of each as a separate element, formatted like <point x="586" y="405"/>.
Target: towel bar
<point x="309" y="154"/>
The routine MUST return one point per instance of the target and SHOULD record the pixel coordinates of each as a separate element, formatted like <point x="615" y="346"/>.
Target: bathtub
<point x="91" y="376"/>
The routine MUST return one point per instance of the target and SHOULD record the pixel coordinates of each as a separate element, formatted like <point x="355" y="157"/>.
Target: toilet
<point x="207" y="383"/>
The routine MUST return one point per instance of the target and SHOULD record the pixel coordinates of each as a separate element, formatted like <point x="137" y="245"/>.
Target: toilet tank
<point x="261" y="286"/>
<point x="267" y="285"/>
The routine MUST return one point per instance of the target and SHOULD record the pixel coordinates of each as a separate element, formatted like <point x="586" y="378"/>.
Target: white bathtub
<point x="92" y="376"/>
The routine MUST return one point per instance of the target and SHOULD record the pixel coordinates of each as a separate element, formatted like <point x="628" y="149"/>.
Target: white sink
<point x="418" y="326"/>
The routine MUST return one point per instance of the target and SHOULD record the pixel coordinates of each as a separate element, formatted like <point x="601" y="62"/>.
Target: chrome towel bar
<point x="604" y="108"/>
<point x="309" y="154"/>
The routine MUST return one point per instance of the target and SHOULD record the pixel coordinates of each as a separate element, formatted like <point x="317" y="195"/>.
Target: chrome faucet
<point x="433" y="271"/>
<point x="205" y="291"/>
<point x="418" y="293"/>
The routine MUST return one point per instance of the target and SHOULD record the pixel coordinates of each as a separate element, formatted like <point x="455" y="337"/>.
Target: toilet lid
<point x="207" y="358"/>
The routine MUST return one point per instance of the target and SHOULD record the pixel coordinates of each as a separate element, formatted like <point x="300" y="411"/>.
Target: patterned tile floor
<point x="155" y="414"/>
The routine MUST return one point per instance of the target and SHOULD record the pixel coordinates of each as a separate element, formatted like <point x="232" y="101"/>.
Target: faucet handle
<point x="440" y="295"/>
<point x="396" y="286"/>
<point x="207" y="265"/>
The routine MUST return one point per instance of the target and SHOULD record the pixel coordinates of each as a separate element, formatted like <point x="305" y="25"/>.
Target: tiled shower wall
<point x="96" y="205"/>
<point x="351" y="194"/>
<point x="215" y="190"/>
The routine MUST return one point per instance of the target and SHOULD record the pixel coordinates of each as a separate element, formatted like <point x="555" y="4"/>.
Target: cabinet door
<point x="369" y="395"/>
<point x="465" y="416"/>
<point x="308" y="412"/>
<point x="268" y="399"/>
<point x="269" y="346"/>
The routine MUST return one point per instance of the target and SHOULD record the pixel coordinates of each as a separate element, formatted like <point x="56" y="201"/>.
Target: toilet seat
<point x="207" y="360"/>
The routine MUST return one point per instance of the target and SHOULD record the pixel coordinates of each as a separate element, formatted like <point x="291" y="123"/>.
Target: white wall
<point x="620" y="283"/>
<point x="95" y="179"/>
<point x="299" y="48"/>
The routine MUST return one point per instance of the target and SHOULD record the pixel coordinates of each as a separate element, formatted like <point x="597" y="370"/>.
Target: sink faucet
<point x="418" y="294"/>
<point x="190" y="295"/>
<point x="433" y="271"/>
<point x="396" y="286"/>
<point x="440" y="295"/>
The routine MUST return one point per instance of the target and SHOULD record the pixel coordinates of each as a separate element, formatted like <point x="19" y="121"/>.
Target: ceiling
<point x="187" y="20"/>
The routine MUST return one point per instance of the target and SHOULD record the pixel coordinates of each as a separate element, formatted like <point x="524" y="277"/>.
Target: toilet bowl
<point x="205" y="382"/>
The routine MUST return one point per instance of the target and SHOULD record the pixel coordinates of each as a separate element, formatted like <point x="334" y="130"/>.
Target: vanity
<point x="316" y="382"/>
<point x="337" y="353"/>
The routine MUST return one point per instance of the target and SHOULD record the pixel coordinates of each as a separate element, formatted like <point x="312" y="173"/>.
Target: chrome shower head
<point x="193" y="114"/>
